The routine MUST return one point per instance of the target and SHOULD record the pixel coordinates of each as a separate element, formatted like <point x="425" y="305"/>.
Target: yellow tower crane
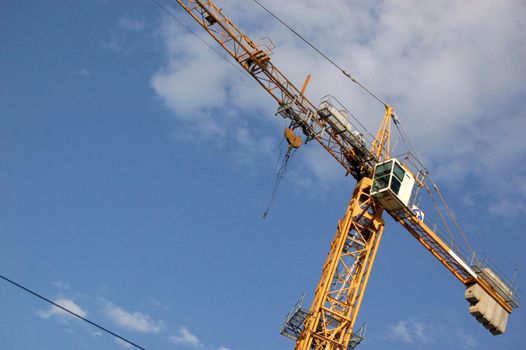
<point x="384" y="184"/>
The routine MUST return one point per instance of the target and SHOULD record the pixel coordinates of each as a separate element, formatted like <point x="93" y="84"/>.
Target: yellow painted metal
<point x="337" y="300"/>
<point x="423" y="233"/>
<point x="305" y="84"/>
<point x="381" y="147"/>
<point x="432" y="242"/>
<point x="293" y="140"/>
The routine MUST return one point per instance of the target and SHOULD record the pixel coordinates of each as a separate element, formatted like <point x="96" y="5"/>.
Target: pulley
<point x="293" y="140"/>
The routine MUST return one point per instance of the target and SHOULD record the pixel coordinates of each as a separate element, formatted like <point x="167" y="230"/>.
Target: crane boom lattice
<point x="293" y="105"/>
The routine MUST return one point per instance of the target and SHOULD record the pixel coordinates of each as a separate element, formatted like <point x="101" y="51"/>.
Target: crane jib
<point x="292" y="104"/>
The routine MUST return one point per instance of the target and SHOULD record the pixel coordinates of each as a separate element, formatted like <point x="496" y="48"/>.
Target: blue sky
<point x="136" y="164"/>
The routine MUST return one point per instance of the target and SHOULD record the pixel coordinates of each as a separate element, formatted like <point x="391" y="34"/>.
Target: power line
<point x="348" y="75"/>
<point x="70" y="312"/>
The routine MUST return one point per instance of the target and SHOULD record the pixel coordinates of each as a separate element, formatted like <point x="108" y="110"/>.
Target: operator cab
<point x="392" y="184"/>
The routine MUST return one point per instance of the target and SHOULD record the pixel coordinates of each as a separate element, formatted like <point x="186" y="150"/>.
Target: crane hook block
<point x="293" y="139"/>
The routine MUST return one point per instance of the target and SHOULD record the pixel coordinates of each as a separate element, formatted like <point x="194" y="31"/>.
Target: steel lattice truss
<point x="345" y="274"/>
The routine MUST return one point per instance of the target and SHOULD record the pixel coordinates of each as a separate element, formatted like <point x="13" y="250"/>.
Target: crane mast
<point x="330" y="322"/>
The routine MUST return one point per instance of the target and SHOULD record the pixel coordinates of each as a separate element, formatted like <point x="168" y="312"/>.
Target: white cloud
<point x="210" y="100"/>
<point x="134" y="320"/>
<point x="200" y="89"/>
<point x="441" y="330"/>
<point x="507" y="207"/>
<point x="323" y="166"/>
<point x="159" y="304"/>
<point x="112" y="43"/>
<point x="466" y="340"/>
<point x="400" y="332"/>
<point x="223" y="348"/>
<point x="61" y="285"/>
<point x="122" y="343"/>
<point x="452" y="70"/>
<point x="410" y="331"/>
<point x="61" y="314"/>
<point x="127" y="34"/>
<point x="185" y="337"/>
<point x="131" y="24"/>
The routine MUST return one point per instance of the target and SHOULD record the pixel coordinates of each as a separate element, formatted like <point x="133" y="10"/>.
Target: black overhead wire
<point x="71" y="312"/>
<point x="348" y="75"/>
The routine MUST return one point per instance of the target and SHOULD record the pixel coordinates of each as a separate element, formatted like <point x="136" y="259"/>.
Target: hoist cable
<point x="280" y="174"/>
<point x="279" y="157"/>
<point x="407" y="141"/>
<point x="444" y="222"/>
<point x="412" y="149"/>
<point x="451" y="215"/>
<point x="348" y="75"/>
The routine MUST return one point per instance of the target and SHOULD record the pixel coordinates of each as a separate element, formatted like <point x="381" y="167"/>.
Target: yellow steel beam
<point x="446" y="255"/>
<point x="340" y="291"/>
<point x="381" y="147"/>
<point x="305" y="84"/>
